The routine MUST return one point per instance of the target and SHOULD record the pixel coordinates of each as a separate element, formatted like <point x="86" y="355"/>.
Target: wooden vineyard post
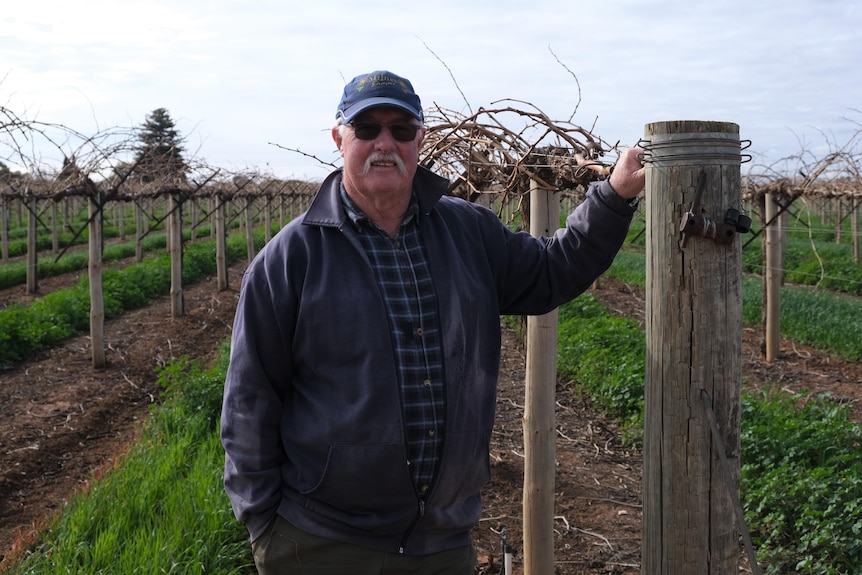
<point x="175" y="237"/>
<point x="139" y="230"/>
<point x="249" y="227"/>
<point x="213" y="202"/>
<point x="169" y="202"/>
<point x="267" y="218"/>
<point x="121" y="218"/>
<point x="221" y="243"/>
<point x="55" y="228"/>
<point x="193" y="216"/>
<point x="854" y="227"/>
<point x="4" y="227"/>
<point x="694" y="346"/>
<point x="539" y="419"/>
<point x="839" y="219"/>
<point x="32" y="246"/>
<point x="773" y="275"/>
<point x="94" y="270"/>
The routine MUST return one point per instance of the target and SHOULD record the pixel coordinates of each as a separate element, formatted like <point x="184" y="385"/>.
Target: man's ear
<point x="336" y="137"/>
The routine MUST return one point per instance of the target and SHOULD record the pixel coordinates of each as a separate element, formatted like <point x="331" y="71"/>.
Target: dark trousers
<point x="285" y="550"/>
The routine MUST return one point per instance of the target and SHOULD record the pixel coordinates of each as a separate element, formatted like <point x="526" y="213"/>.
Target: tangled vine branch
<point x="501" y="149"/>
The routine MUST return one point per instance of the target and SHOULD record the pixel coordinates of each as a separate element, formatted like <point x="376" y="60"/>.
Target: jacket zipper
<point x="409" y="531"/>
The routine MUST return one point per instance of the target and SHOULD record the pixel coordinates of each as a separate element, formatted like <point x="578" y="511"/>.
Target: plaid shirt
<point x="402" y="272"/>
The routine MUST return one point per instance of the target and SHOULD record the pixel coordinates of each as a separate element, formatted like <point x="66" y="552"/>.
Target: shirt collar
<point x="358" y="217"/>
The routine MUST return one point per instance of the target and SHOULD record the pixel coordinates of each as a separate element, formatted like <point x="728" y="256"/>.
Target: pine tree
<point x="7" y="175"/>
<point x="159" y="153"/>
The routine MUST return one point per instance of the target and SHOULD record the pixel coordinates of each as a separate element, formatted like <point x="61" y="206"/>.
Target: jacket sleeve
<point x="542" y="274"/>
<point x="259" y="371"/>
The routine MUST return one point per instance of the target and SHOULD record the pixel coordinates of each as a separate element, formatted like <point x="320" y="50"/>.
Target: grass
<point x="823" y="320"/>
<point x="801" y="481"/>
<point x="163" y="508"/>
<point x="44" y="241"/>
<point x="811" y="255"/>
<point x="588" y="335"/>
<point x="15" y="273"/>
<point x="820" y="318"/>
<point x="65" y="312"/>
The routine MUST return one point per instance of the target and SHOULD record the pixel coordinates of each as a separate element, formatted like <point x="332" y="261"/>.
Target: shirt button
<point x="424" y="488"/>
<point x="419" y="331"/>
<point x="427" y="383"/>
<point x="432" y="432"/>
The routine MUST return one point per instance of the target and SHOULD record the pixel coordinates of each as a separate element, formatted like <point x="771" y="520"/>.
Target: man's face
<point x="384" y="164"/>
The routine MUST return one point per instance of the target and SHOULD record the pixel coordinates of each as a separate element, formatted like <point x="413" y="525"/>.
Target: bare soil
<point x="65" y="423"/>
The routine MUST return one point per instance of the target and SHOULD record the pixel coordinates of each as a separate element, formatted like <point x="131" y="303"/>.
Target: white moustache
<point x="384" y="158"/>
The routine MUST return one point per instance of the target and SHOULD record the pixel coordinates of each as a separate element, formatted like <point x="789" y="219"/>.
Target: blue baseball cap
<point x="379" y="88"/>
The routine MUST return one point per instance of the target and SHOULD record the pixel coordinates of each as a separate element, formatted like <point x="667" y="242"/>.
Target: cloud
<point x="239" y="76"/>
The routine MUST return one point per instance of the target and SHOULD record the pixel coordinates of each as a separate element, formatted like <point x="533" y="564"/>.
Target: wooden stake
<point x="539" y="417"/>
<point x="221" y="244"/>
<point x="773" y="264"/>
<point x="97" y="298"/>
<point x="32" y="246"/>
<point x="249" y="227"/>
<point x="854" y="227"/>
<point x="4" y="227"/>
<point x="175" y="236"/>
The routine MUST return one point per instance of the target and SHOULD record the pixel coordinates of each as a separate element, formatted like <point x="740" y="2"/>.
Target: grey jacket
<point x="312" y="424"/>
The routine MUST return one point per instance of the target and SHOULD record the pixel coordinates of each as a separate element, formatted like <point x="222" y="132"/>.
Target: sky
<point x="245" y="82"/>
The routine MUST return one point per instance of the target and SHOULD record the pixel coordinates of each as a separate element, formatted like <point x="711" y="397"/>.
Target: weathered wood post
<point x="55" y="228"/>
<point x="4" y="227"/>
<point x="214" y="200"/>
<point x="169" y="202"/>
<point x="121" y="218"/>
<point x="175" y="247"/>
<point x="839" y="219"/>
<point x="32" y="246"/>
<point x="773" y="275"/>
<point x="139" y="230"/>
<point x="19" y="213"/>
<point x="221" y="243"/>
<point x="249" y="227"/>
<point x="94" y="271"/>
<point x="193" y="216"/>
<point x="694" y="344"/>
<point x="854" y="227"/>
<point x="539" y="419"/>
<point x="267" y="218"/>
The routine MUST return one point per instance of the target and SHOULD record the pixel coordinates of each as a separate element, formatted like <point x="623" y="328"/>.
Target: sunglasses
<point x="401" y="131"/>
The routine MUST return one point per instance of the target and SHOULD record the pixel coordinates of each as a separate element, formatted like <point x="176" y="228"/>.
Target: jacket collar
<point x="326" y="209"/>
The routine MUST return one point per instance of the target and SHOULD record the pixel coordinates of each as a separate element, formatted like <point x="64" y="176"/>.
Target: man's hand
<point x="628" y="177"/>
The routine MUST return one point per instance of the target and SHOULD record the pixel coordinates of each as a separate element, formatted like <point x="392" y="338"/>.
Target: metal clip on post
<point x="694" y="222"/>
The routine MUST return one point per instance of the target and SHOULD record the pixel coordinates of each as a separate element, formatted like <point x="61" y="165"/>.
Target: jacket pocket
<point x="457" y="501"/>
<point x="365" y="486"/>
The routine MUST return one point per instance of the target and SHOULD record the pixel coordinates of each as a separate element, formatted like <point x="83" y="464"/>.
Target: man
<point x="360" y="395"/>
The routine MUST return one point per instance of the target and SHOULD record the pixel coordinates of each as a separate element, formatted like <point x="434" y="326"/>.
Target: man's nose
<point x="384" y="140"/>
